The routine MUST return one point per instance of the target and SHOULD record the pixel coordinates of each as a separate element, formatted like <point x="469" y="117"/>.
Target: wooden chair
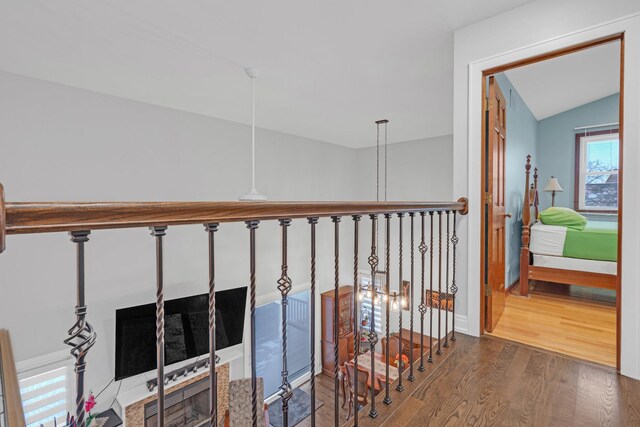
<point x="346" y="353"/>
<point x="393" y="349"/>
<point x="363" y="390"/>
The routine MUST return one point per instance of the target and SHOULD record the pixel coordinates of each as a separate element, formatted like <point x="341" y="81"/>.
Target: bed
<point x="560" y="254"/>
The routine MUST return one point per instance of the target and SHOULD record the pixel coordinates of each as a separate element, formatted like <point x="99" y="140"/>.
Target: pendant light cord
<point x="385" y="161"/>
<point x="253" y="132"/>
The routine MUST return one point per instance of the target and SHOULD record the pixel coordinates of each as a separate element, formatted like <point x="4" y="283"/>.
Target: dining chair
<point x="393" y="348"/>
<point x="362" y="378"/>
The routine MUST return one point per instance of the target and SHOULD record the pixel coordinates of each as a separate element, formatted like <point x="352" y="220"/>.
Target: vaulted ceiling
<point x="328" y="68"/>
<point x="561" y="84"/>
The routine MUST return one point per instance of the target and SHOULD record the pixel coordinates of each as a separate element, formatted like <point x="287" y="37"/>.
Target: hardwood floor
<point x="490" y="381"/>
<point x="571" y="320"/>
<point x="494" y="382"/>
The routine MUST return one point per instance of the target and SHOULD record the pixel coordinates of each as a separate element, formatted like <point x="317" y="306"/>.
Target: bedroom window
<point x="597" y="155"/>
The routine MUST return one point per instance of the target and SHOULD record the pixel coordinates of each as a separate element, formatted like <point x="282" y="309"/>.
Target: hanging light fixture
<point x="377" y="285"/>
<point x="253" y="194"/>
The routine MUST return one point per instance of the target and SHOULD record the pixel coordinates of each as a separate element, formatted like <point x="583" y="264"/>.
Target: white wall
<point x="533" y="29"/>
<point x="417" y="170"/>
<point x="60" y="143"/>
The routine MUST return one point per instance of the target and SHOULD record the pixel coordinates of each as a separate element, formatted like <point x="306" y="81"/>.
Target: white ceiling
<point x="329" y="68"/>
<point x="557" y="85"/>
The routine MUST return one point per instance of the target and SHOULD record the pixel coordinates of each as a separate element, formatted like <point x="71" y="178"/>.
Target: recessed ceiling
<point x="560" y="84"/>
<point x="329" y="68"/>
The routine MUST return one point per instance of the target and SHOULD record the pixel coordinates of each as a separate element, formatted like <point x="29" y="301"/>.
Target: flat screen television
<point x="186" y="330"/>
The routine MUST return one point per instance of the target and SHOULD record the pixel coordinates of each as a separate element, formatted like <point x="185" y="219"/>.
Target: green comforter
<point x="598" y="241"/>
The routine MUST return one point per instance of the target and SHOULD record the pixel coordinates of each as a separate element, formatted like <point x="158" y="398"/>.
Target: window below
<point x="46" y="389"/>
<point x="269" y="341"/>
<point x="366" y="310"/>
<point x="597" y="168"/>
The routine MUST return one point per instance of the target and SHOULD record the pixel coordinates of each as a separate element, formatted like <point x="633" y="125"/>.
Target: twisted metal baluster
<point x="313" y="222"/>
<point x="213" y="376"/>
<point x="81" y="336"/>
<point x="284" y="286"/>
<point x="159" y="232"/>
<point x="356" y="291"/>
<point x="446" y="292"/>
<point x="411" y="377"/>
<point x="423" y="307"/>
<point x="387" y="397"/>
<point x="439" y="351"/>
<point x="400" y="387"/>
<point x="252" y="226"/>
<point x="454" y="288"/>
<point x="430" y="358"/>
<point x="336" y="318"/>
<point x="373" y="336"/>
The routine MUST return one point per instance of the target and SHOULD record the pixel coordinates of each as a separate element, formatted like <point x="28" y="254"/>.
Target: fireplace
<point x="187" y="407"/>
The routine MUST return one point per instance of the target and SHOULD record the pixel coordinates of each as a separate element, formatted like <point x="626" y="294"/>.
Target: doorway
<point x="562" y="281"/>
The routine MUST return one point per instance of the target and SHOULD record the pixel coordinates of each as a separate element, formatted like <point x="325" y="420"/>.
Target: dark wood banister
<point x="48" y="217"/>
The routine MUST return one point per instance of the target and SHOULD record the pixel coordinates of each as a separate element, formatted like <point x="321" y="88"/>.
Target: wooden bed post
<point x="526" y="221"/>
<point x="535" y="193"/>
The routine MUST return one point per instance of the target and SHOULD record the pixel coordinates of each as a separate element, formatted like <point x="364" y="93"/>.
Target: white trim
<point x="467" y="152"/>
<point x="39" y="364"/>
<point x="461" y="324"/>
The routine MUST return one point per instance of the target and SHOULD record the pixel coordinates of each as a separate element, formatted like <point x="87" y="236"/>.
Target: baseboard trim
<point x="461" y="324"/>
<point x="512" y="286"/>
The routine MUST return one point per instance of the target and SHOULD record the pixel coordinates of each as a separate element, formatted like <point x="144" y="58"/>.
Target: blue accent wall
<point x="556" y="146"/>
<point x="522" y="136"/>
<point x="551" y="143"/>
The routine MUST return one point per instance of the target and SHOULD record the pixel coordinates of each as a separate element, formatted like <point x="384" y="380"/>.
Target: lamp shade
<point x="553" y="185"/>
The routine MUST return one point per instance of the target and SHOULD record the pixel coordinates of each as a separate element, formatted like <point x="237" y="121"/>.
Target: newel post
<point x="3" y="221"/>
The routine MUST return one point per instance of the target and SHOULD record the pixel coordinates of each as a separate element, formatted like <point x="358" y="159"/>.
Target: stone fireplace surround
<point x="133" y="402"/>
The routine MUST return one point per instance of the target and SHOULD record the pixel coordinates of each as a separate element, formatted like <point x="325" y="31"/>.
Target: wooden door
<point x="495" y="145"/>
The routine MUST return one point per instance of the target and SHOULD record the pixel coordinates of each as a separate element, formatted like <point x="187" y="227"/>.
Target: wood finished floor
<point x="494" y="382"/>
<point x="571" y="320"/>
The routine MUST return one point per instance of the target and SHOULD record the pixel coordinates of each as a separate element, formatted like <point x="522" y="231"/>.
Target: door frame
<point x="616" y="37"/>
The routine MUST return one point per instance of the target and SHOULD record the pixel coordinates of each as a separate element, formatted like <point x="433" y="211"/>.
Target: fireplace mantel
<point x="132" y="402"/>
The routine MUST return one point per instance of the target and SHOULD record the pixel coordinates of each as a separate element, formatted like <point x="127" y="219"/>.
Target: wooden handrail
<point x="11" y="390"/>
<point x="33" y="217"/>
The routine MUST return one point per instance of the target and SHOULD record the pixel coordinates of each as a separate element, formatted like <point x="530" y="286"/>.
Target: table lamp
<point x="552" y="187"/>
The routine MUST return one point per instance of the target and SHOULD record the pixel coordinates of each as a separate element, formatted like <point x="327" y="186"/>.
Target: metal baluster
<point x="446" y="293"/>
<point x="373" y="336"/>
<point x="439" y="351"/>
<point x="252" y="226"/>
<point x="400" y="387"/>
<point x="387" y="291"/>
<point x="284" y="286"/>
<point x="213" y="376"/>
<point x="356" y="292"/>
<point x="411" y="377"/>
<point x="336" y="318"/>
<point x="158" y="233"/>
<point x="423" y="307"/>
<point x="430" y="359"/>
<point x="81" y="336"/>
<point x="454" y="288"/>
<point x="313" y="221"/>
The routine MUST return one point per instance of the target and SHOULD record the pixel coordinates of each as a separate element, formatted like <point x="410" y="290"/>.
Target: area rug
<point x="299" y="409"/>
